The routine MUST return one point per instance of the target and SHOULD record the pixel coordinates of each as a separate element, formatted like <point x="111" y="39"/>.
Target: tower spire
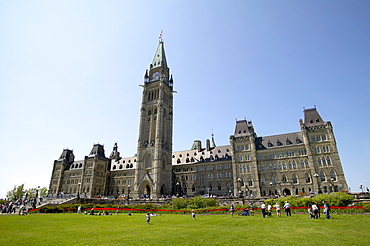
<point x="159" y="59"/>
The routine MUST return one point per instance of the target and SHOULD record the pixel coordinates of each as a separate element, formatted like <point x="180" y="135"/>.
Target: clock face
<point x="155" y="75"/>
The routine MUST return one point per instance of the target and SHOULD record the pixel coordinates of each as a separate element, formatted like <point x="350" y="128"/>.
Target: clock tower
<point x="153" y="174"/>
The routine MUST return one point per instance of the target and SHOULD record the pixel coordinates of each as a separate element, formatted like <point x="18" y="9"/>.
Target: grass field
<point x="171" y="229"/>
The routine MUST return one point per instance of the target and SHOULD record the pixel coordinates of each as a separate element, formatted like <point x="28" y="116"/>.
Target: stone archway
<point x="145" y="189"/>
<point x="286" y="192"/>
<point x="163" y="190"/>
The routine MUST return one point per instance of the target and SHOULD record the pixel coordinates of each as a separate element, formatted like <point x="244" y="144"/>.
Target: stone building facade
<point x="298" y="163"/>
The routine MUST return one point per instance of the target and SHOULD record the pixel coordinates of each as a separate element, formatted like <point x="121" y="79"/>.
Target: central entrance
<point x="147" y="190"/>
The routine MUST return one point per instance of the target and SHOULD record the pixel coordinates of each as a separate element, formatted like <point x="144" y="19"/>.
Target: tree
<point x="41" y="191"/>
<point x="16" y="193"/>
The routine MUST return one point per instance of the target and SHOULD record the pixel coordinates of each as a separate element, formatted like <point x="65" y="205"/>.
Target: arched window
<point x="148" y="161"/>
<point x="323" y="161"/>
<point x="164" y="162"/>
<point x="294" y="164"/>
<point x="178" y="161"/>
<point x="333" y="176"/>
<point x="114" y="167"/>
<point x="120" y="166"/>
<point x="295" y="179"/>
<point x="328" y="160"/>
<point x="263" y="181"/>
<point x="284" y="165"/>
<point x="245" y="168"/>
<point x="290" y="165"/>
<point x="284" y="179"/>
<point x="319" y="161"/>
<point x="249" y="168"/>
<point x="187" y="160"/>
<point x="322" y="176"/>
<point x="308" y="178"/>
<point x="250" y="182"/>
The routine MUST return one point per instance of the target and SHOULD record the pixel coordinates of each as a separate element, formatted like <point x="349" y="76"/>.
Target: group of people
<point x="11" y="207"/>
<point x="314" y="210"/>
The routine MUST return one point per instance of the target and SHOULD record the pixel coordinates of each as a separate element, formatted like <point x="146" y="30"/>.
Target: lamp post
<point x="240" y="187"/>
<point x="270" y="188"/>
<point x="128" y="194"/>
<point x="317" y="181"/>
<point x="362" y="188"/>
<point x="332" y="184"/>
<point x="35" y="199"/>
<point x="78" y="191"/>
<point x="177" y="188"/>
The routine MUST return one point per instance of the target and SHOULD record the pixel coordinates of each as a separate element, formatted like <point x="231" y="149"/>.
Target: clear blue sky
<point x="70" y="74"/>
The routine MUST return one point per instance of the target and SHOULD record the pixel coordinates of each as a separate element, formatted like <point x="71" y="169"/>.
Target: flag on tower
<point x="160" y="35"/>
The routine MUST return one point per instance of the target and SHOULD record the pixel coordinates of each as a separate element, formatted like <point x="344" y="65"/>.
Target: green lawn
<point x="171" y="229"/>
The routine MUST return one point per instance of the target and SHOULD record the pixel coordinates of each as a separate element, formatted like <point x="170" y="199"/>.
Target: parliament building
<point x="298" y="163"/>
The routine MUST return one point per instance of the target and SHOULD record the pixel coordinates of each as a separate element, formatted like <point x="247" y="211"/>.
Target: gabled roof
<point x="159" y="59"/>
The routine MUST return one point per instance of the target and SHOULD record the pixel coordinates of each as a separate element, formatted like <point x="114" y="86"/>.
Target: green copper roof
<point x="160" y="57"/>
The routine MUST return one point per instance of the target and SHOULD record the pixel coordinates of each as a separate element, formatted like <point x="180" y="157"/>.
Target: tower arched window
<point x="319" y="161"/>
<point x="148" y="161"/>
<point x="328" y="161"/>
<point x="322" y="176"/>
<point x="333" y="175"/>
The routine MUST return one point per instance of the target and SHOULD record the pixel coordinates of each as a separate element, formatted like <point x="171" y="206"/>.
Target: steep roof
<point x="160" y="57"/>
<point x="278" y="141"/>
<point x="312" y="117"/>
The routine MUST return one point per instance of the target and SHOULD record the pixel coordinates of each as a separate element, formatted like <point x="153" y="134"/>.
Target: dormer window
<point x="288" y="142"/>
<point x="269" y="144"/>
<point x="279" y="143"/>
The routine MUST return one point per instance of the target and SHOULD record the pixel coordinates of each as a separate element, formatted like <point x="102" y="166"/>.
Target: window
<point x="284" y="165"/>
<point x="263" y="167"/>
<point x="322" y="176"/>
<point x="290" y="165"/>
<point x="328" y="160"/>
<point x="295" y="179"/>
<point x="323" y="161"/>
<point x="248" y="168"/>
<point x="274" y="166"/>
<point x="247" y="157"/>
<point x="294" y="164"/>
<point x="333" y="176"/>
<point x="308" y="178"/>
<point x="245" y="168"/>
<point x="319" y="161"/>
<point x="283" y="179"/>
<point x="250" y="182"/>
<point x="323" y="137"/>
<point x="270" y="166"/>
<point x="263" y="181"/>
<point x="307" y="165"/>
